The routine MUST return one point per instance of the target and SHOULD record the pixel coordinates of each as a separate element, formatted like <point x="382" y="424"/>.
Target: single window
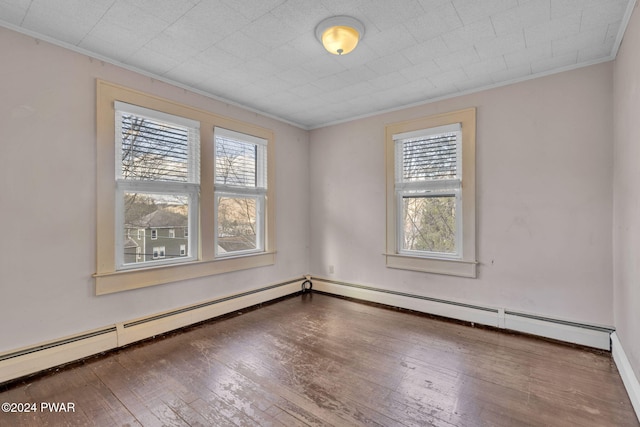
<point x="157" y="174"/>
<point x="172" y="233"/>
<point x="183" y="250"/>
<point x="427" y="188"/>
<point x="240" y="188"/>
<point x="431" y="194"/>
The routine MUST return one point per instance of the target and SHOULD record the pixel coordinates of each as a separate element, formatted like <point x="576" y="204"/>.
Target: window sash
<point x="260" y="202"/>
<point x="159" y="188"/>
<point x="253" y="171"/>
<point x="454" y="192"/>
<point x="432" y="164"/>
<point x="191" y="158"/>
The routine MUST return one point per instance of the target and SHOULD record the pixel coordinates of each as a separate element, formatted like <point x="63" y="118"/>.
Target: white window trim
<point x="161" y="252"/>
<point x="426" y="188"/>
<point x="108" y="278"/>
<point x="464" y="262"/>
<point x="230" y="191"/>
<point x="189" y="189"/>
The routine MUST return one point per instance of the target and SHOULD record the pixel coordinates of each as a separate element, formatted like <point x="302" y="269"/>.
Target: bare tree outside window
<point x="428" y="214"/>
<point x="429" y="224"/>
<point x="152" y="150"/>
<point x="236" y="165"/>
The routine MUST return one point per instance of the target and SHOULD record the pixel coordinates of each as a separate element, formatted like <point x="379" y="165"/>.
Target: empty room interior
<point x="320" y="212"/>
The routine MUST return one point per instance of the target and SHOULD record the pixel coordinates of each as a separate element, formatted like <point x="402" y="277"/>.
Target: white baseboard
<point x="582" y="334"/>
<point x="631" y="382"/>
<point x="577" y="333"/>
<point x="28" y="360"/>
<point x="465" y="312"/>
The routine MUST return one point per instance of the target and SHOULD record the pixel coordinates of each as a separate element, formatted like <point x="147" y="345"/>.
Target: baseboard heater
<point x="589" y="335"/>
<point x="28" y="360"/>
<point x="25" y="361"/>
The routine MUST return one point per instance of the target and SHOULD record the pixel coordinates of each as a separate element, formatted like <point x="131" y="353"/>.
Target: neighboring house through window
<point x="157" y="176"/>
<point x="155" y="193"/>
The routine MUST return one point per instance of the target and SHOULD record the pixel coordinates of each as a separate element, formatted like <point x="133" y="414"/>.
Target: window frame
<point x="463" y="263"/>
<point x="160" y="250"/>
<point x="108" y="278"/>
<point x="257" y="192"/>
<point x="188" y="188"/>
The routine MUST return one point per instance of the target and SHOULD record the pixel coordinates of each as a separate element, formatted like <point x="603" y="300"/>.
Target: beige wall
<point x="48" y="202"/>
<point x="544" y="203"/>
<point x="626" y="220"/>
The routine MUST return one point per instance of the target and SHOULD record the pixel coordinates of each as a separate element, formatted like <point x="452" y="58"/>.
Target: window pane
<point x="429" y="224"/>
<point x="429" y="158"/>
<point x="236" y="224"/>
<point x="152" y="217"/>
<point x="154" y="150"/>
<point x="236" y="163"/>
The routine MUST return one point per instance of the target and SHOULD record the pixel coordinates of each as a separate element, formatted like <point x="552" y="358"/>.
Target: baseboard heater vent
<point x="561" y="322"/>
<point x="205" y="304"/>
<point x="29" y="360"/>
<point x="404" y="294"/>
<point x="573" y="332"/>
<point x="563" y="330"/>
<point x="58" y="343"/>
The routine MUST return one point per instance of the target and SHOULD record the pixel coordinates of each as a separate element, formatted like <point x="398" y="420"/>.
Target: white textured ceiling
<point x="263" y="54"/>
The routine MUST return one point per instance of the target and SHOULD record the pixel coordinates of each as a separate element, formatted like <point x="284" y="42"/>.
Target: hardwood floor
<point x="317" y="360"/>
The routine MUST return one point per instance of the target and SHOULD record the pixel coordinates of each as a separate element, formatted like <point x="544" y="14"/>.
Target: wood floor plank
<point x="317" y="360"/>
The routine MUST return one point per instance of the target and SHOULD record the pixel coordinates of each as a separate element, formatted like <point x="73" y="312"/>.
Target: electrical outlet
<point x="331" y="269"/>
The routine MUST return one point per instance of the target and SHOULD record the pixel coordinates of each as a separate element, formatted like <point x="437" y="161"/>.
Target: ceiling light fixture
<point x="340" y="34"/>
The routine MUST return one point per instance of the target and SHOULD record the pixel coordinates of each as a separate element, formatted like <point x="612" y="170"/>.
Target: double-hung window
<point x="240" y="190"/>
<point x="428" y="191"/>
<point x="431" y="194"/>
<point x="157" y="181"/>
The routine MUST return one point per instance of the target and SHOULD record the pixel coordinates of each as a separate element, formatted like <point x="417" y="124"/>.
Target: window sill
<point x="450" y="267"/>
<point x="118" y="281"/>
